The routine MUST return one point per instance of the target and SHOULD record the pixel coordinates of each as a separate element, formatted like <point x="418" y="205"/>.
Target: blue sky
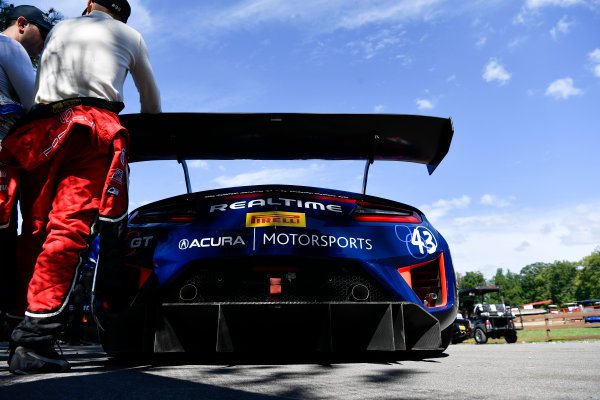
<point x="520" y="79"/>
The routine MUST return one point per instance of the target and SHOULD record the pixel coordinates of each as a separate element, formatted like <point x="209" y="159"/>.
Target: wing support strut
<point x="366" y="175"/>
<point x="186" y="172"/>
<point x="369" y="162"/>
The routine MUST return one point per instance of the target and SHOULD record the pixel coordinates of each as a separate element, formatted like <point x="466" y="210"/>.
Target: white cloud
<point x="271" y="176"/>
<point x="320" y="15"/>
<point x="442" y="207"/>
<point x="495" y="72"/>
<point x="379" y="108"/>
<point x="484" y="221"/>
<point x="562" y="89"/>
<point x="141" y="19"/>
<point x="495" y="201"/>
<point x="197" y="164"/>
<point x="423" y="104"/>
<point x="534" y="4"/>
<point x="594" y="55"/>
<point x="532" y="7"/>
<point x="562" y="27"/>
<point x="373" y="44"/>
<point x="385" y="11"/>
<point x="513" y="240"/>
<point x="481" y="42"/>
<point x="582" y="226"/>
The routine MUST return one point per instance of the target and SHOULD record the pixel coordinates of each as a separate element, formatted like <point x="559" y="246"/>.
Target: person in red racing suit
<point x="69" y="158"/>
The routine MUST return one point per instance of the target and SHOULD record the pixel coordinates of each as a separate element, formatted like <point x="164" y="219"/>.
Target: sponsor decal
<point x="275" y="218"/>
<point x="4" y="187"/>
<point x="419" y="241"/>
<point x="279" y="201"/>
<point x="2" y="174"/>
<point x="117" y="176"/>
<point x="220" y="241"/>
<point x="122" y="158"/>
<point x="112" y="190"/>
<point x="295" y="239"/>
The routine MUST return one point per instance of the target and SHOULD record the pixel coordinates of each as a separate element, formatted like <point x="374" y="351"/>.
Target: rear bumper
<point x="294" y="327"/>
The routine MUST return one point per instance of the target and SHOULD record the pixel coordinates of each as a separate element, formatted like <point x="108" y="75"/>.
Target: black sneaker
<point x="39" y="359"/>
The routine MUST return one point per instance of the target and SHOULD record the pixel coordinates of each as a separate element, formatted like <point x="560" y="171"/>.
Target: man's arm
<point x="143" y="76"/>
<point x="19" y="70"/>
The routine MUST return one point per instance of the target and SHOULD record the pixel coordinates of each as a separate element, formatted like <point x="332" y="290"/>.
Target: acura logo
<point x="184" y="244"/>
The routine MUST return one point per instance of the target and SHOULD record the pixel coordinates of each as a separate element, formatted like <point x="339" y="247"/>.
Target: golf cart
<point x="490" y="317"/>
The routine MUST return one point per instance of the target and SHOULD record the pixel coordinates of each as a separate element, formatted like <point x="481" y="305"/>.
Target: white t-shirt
<point x="90" y="56"/>
<point x="17" y="76"/>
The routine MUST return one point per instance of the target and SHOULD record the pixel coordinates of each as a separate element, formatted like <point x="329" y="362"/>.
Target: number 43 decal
<point x="419" y="241"/>
<point x="424" y="240"/>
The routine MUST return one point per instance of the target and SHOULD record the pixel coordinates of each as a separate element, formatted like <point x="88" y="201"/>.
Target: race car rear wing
<point x="265" y="136"/>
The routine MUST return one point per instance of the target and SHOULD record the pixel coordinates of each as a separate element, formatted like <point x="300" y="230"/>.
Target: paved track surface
<point x="565" y="370"/>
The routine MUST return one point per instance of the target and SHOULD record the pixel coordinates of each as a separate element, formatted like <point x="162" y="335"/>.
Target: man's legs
<point x="73" y="182"/>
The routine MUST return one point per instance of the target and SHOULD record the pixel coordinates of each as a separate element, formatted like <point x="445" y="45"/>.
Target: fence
<point x="550" y="322"/>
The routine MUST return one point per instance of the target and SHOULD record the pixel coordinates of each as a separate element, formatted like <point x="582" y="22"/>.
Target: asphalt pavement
<point x="561" y="370"/>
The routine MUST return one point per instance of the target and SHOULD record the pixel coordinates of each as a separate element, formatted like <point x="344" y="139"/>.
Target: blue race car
<point x="281" y="268"/>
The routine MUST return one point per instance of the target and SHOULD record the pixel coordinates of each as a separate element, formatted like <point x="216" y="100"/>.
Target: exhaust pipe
<point x="359" y="292"/>
<point x="188" y="292"/>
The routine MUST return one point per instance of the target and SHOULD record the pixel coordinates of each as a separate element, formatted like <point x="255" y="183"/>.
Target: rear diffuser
<point x="294" y="327"/>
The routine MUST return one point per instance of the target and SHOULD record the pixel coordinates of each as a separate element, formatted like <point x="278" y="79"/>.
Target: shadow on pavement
<point x="96" y="376"/>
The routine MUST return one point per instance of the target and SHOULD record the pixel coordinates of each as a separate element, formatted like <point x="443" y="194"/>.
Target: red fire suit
<point x="74" y="175"/>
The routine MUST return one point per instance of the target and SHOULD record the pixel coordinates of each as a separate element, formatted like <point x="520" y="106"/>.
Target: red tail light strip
<point x="411" y="219"/>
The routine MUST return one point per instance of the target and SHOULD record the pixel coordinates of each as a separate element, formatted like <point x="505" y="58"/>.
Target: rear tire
<point x="480" y="336"/>
<point x="510" y="337"/>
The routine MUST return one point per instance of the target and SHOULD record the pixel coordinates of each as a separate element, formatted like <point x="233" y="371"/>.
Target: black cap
<point x="120" y="8"/>
<point x="31" y="14"/>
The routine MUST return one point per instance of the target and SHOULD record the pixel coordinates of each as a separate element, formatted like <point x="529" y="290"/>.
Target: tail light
<point x="428" y="281"/>
<point x="371" y="212"/>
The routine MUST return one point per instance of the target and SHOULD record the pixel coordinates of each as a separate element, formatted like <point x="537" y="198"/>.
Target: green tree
<point x="470" y="279"/>
<point x="512" y="293"/>
<point x="530" y="283"/>
<point x="558" y="282"/>
<point x="587" y="282"/>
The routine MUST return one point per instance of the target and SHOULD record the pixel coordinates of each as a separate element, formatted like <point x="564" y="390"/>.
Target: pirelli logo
<point x="275" y="218"/>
